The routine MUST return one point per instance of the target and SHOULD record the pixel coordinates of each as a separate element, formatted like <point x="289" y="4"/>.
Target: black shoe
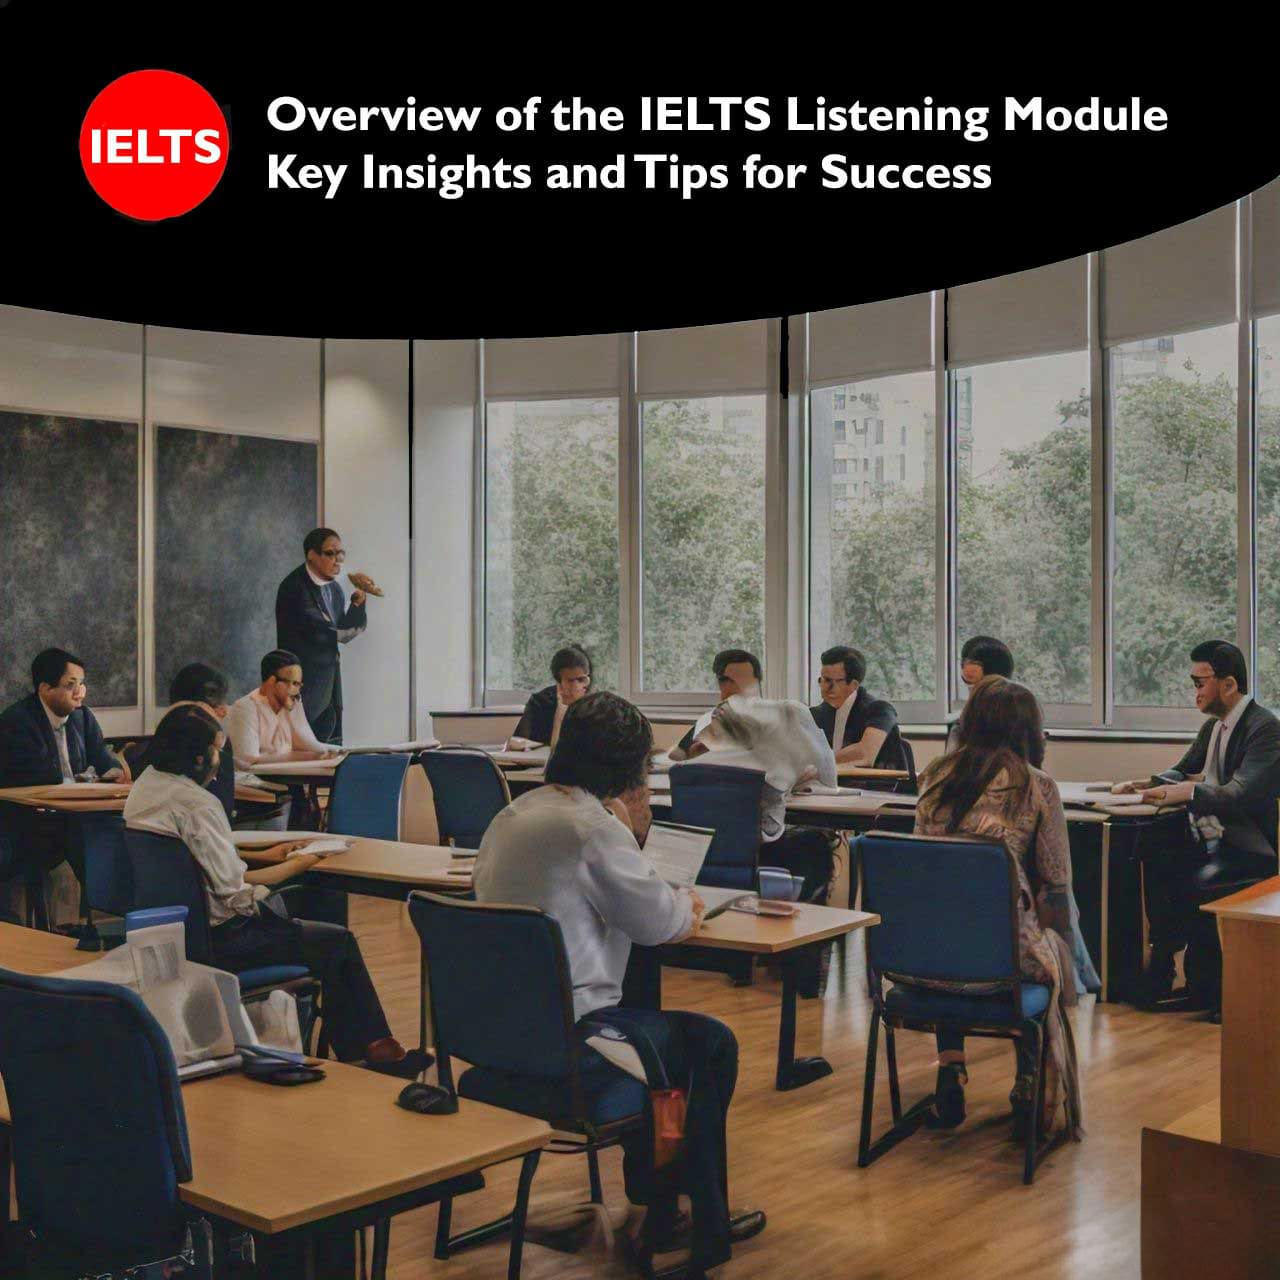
<point x="414" y="1063"/>
<point x="742" y="1226"/>
<point x="1183" y="1000"/>
<point x="948" y="1098"/>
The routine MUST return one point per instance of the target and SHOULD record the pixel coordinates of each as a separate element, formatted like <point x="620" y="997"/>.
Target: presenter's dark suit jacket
<point x="29" y="754"/>
<point x="866" y="713"/>
<point x="305" y="625"/>
<point x="1247" y="795"/>
<point x="539" y="716"/>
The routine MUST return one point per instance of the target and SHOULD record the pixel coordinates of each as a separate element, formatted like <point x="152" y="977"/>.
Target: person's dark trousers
<point x="352" y="1011"/>
<point x="326" y="718"/>
<point x="40" y="841"/>
<point x="809" y="852"/>
<point x="701" y="1054"/>
<point x="1167" y="876"/>
<point x="1024" y="1048"/>
<point x="1226" y="871"/>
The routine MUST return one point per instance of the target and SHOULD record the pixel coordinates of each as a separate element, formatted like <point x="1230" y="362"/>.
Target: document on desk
<point x="678" y="852"/>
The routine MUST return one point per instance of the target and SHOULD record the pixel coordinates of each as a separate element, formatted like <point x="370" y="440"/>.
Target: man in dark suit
<point x="312" y="620"/>
<point x="1229" y="779"/>
<point x="50" y="736"/>
<point x="862" y="729"/>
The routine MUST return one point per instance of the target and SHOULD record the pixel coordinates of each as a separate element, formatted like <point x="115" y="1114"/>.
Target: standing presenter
<point x="313" y="617"/>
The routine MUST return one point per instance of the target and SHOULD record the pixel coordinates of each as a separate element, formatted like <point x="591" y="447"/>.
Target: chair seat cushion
<point x="609" y="1095"/>
<point x="926" y="1004"/>
<point x="272" y="975"/>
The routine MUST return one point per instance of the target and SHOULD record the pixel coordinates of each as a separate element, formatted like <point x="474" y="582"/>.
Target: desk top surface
<point x="271" y="1159"/>
<point x="767" y="935"/>
<point x="426" y="866"/>
<point x="1260" y="902"/>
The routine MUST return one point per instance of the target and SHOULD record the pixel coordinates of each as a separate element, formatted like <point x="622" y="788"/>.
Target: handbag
<point x="668" y="1106"/>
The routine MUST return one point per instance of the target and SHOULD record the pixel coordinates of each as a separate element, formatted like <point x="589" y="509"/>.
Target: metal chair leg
<point x="528" y="1168"/>
<point x="381" y="1248"/>
<point x="868" y="1091"/>
<point x="443" y="1221"/>
<point x="593" y="1172"/>
<point x="895" y="1093"/>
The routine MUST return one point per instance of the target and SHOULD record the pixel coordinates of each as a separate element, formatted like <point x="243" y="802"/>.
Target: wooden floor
<point x="938" y="1206"/>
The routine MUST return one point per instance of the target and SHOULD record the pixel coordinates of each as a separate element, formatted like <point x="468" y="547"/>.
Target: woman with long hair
<point x="993" y="786"/>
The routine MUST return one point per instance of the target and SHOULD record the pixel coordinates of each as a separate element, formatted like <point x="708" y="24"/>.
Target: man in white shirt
<point x="570" y="848"/>
<point x="736" y="671"/>
<point x="269" y="725"/>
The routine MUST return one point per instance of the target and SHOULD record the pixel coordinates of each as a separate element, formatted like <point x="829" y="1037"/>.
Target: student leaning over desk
<point x="570" y="848"/>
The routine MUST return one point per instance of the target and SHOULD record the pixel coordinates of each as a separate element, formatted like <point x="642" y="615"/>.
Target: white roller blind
<point x="894" y="336"/>
<point x="1028" y="313"/>
<point x="1175" y="280"/>
<point x="518" y="367"/>
<point x="708" y="360"/>
<point x="1266" y="247"/>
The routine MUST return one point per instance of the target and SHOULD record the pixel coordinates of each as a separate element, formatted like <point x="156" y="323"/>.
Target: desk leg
<point x="793" y="1072"/>
<point x="1105" y="911"/>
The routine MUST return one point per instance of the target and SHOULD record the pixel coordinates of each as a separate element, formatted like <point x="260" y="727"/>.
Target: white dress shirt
<point x="259" y="732"/>
<point x="842" y="719"/>
<point x="1211" y="827"/>
<point x="172" y="805"/>
<point x="59" y="726"/>
<point x="564" y="852"/>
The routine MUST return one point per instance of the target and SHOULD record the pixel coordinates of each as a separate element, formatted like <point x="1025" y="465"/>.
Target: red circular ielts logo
<point x="154" y="144"/>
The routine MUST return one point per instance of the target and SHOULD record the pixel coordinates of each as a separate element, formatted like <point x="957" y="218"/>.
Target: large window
<point x="873" y="572"/>
<point x="551" y="538"/>
<point x="1023" y="517"/>
<point x="1267" y="537"/>
<point x="1173" y="414"/>
<point x="703" y="532"/>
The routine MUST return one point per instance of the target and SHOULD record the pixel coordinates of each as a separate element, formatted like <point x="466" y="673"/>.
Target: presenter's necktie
<point x="333" y="601"/>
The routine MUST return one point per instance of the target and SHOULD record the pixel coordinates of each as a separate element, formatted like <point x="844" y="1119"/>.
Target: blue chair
<point x="365" y="800"/>
<point x="948" y="912"/>
<point x="728" y="800"/>
<point x="99" y="1136"/>
<point x="468" y="790"/>
<point x="512" y="1019"/>
<point x="166" y="875"/>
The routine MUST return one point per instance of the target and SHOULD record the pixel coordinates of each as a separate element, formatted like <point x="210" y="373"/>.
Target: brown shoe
<point x="388" y="1049"/>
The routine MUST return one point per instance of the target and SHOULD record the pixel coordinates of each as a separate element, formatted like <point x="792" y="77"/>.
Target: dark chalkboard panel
<point x="231" y="513"/>
<point x="69" y="538"/>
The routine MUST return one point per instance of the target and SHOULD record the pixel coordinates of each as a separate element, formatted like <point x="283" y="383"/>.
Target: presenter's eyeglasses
<point x="334" y="555"/>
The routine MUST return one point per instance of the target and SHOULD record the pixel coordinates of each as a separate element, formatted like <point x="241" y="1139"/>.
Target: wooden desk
<point x="766" y="935"/>
<point x="276" y="1160"/>
<point x="64" y="799"/>
<point x="1249" y="926"/>
<point x="869" y="774"/>
<point x="385" y="868"/>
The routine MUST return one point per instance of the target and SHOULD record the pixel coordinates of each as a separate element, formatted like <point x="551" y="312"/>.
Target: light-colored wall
<point x="444" y="400"/>
<point x="366" y="499"/>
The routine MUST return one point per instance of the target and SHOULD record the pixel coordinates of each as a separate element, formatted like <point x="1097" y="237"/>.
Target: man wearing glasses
<point x="312" y="619"/>
<point x="861" y="728"/>
<point x="1229" y="780"/>
<point x="269" y="725"/>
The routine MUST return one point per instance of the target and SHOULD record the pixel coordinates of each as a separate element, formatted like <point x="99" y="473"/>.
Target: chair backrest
<point x="99" y="1133"/>
<point x="468" y="790"/>
<point x="911" y="786"/>
<point x="108" y="878"/>
<point x="166" y="875"/>
<point x="946" y="906"/>
<point x="365" y="800"/>
<point x="500" y="991"/>
<point x="726" y="799"/>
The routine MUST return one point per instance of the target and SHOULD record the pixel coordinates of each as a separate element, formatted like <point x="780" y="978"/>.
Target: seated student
<point x="861" y="729"/>
<point x="735" y="671"/>
<point x="249" y="929"/>
<point x="570" y="848"/>
<point x="268" y="725"/>
<point x="544" y="712"/>
<point x="1229" y="779"/>
<point x="992" y="786"/>
<point x="50" y="736"/>
<point x="980" y="656"/>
